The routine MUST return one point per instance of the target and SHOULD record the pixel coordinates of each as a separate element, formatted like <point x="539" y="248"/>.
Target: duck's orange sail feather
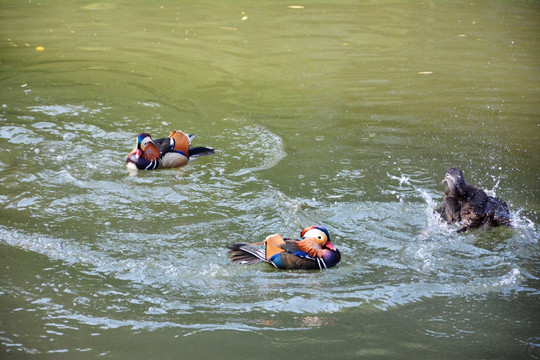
<point x="181" y="141"/>
<point x="273" y="245"/>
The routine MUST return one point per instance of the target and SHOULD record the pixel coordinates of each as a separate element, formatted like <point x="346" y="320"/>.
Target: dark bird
<point x="312" y="251"/>
<point x="469" y="205"/>
<point x="170" y="152"/>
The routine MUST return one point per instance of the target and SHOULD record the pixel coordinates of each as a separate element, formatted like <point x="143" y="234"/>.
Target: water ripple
<point x="160" y="237"/>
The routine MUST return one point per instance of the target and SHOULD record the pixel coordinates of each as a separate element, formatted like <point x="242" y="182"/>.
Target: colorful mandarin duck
<point x="469" y="205"/>
<point x="311" y="252"/>
<point x="172" y="151"/>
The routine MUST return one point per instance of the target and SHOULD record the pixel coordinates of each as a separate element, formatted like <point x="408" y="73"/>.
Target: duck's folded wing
<point x="292" y="247"/>
<point x="164" y="145"/>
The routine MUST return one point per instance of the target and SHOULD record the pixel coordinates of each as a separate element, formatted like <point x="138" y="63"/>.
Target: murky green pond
<point x="344" y="114"/>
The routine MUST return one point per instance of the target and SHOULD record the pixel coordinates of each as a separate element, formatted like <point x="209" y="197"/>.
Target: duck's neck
<point x="331" y="257"/>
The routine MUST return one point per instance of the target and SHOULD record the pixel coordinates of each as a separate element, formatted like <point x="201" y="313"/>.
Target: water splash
<point x="403" y="179"/>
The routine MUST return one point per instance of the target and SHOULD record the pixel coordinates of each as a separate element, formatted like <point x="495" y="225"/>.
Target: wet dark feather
<point x="470" y="205"/>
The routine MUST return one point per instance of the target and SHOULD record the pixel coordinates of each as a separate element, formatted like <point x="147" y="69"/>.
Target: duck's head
<point x="455" y="180"/>
<point x="144" y="146"/>
<point x="319" y="235"/>
<point x="144" y="155"/>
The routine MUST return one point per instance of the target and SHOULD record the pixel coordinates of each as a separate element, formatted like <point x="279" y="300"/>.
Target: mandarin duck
<point x="170" y="152"/>
<point x="470" y="205"/>
<point x="312" y="251"/>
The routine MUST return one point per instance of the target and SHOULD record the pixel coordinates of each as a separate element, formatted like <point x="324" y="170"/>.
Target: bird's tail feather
<point x="243" y="253"/>
<point x="196" y="152"/>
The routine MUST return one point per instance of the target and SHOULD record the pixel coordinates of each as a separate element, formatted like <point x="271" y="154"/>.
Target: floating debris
<point x="295" y="7"/>
<point x="40" y="48"/>
<point x="425" y="72"/>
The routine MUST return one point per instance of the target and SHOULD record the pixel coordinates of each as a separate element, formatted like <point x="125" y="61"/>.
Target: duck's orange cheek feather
<point x="151" y="153"/>
<point x="310" y="247"/>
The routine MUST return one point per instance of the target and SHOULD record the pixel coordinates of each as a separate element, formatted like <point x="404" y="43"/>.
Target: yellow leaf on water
<point x="40" y="48"/>
<point x="295" y="7"/>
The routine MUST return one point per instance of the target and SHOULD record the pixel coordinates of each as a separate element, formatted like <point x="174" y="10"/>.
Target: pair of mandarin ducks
<point x="312" y="251"/>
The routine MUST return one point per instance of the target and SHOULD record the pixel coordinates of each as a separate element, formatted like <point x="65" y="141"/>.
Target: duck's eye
<point x="319" y="237"/>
